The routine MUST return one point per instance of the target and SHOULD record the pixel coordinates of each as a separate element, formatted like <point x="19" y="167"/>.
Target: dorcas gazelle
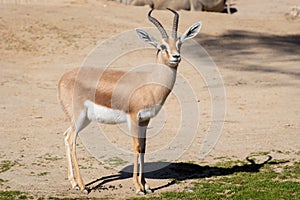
<point x="112" y="96"/>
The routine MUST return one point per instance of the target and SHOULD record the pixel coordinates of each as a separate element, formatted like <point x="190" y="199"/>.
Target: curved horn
<point x="158" y="25"/>
<point x="175" y="23"/>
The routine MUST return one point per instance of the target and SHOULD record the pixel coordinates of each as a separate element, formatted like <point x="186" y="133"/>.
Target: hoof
<point x="140" y="192"/>
<point x="76" y="187"/>
<point x="86" y="191"/>
<point x="149" y="191"/>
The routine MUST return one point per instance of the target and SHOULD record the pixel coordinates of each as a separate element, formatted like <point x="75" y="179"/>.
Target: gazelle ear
<point x="146" y="37"/>
<point x="191" y="32"/>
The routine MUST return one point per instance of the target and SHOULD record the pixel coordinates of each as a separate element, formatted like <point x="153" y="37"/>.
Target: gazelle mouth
<point x="173" y="62"/>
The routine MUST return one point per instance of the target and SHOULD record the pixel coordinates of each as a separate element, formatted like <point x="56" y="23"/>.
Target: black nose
<point x="176" y="57"/>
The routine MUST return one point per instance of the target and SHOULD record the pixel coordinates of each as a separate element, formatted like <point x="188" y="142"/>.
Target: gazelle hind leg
<point x="71" y="177"/>
<point x="70" y="142"/>
<point x="80" y="184"/>
<point x="81" y="123"/>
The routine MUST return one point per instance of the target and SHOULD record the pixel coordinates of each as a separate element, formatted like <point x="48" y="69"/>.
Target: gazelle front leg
<point x="137" y="185"/>
<point x="142" y="180"/>
<point x="138" y="131"/>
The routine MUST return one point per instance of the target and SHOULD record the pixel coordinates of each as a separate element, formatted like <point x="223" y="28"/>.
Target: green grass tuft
<point x="265" y="183"/>
<point x="12" y="195"/>
<point x="43" y="173"/>
<point x="5" y="165"/>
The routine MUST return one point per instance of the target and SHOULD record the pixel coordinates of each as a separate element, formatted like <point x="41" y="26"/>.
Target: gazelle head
<point x="169" y="49"/>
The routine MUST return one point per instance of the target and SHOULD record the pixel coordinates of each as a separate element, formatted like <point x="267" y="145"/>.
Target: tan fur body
<point x="129" y="92"/>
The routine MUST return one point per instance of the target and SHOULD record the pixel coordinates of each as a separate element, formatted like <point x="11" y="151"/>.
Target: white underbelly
<point x="103" y="114"/>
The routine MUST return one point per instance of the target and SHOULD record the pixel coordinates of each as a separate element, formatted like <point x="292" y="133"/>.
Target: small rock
<point x="190" y="190"/>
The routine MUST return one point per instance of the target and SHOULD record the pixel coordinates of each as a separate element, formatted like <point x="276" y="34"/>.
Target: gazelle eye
<point x="163" y="47"/>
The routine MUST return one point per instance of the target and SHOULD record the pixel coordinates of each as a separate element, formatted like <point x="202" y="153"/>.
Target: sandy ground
<point x="256" y="50"/>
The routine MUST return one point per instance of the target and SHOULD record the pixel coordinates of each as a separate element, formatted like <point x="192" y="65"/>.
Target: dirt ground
<point x="256" y="49"/>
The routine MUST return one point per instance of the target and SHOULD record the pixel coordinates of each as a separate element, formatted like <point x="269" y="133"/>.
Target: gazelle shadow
<point x="182" y="171"/>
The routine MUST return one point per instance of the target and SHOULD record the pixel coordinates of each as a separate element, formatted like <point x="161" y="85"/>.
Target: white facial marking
<point x="178" y="45"/>
<point x="166" y="45"/>
<point x="103" y="114"/>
